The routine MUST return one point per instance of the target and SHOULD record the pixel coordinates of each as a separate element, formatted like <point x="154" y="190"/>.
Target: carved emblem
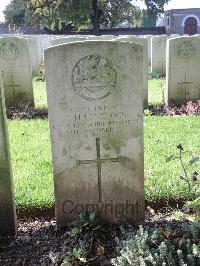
<point x="94" y="77"/>
<point x="186" y="50"/>
<point x="9" y="51"/>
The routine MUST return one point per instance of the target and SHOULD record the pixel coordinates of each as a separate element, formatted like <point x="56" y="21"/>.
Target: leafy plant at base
<point x="154" y="75"/>
<point x="68" y="258"/>
<point x="41" y="74"/>
<point x="148" y="246"/>
<point x="88" y="221"/>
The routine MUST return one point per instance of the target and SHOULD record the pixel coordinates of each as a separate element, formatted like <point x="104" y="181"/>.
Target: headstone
<point x="63" y="40"/>
<point x="43" y="43"/>
<point x="144" y="43"/>
<point x="149" y="37"/>
<point x="158" y="54"/>
<point x="34" y="54"/>
<point x="183" y="64"/>
<point x="15" y="59"/>
<point x="95" y="104"/>
<point x="102" y="38"/>
<point x="7" y="203"/>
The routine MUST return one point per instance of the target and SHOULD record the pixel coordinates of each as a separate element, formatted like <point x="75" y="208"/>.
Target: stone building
<point x="182" y="21"/>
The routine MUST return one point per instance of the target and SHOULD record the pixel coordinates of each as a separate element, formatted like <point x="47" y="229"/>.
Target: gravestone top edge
<point x="87" y="42"/>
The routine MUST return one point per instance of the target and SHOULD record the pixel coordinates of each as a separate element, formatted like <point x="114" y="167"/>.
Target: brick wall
<point x="176" y="18"/>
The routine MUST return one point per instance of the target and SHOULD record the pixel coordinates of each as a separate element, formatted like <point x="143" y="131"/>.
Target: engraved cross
<point x="12" y="85"/>
<point x="99" y="162"/>
<point x="186" y="85"/>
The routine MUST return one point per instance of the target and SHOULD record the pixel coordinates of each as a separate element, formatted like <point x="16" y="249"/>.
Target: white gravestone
<point x="63" y="40"/>
<point x="158" y="54"/>
<point x="34" y="54"/>
<point x="7" y="203"/>
<point x="149" y="37"/>
<point x="95" y="104"/>
<point x="15" y="59"/>
<point x="43" y="43"/>
<point x="144" y="43"/>
<point x="183" y="64"/>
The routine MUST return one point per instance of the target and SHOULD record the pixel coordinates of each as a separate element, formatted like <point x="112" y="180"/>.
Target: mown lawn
<point x="31" y="155"/>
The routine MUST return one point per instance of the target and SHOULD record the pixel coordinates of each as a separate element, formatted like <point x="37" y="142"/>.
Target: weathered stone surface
<point x="144" y="43"/>
<point x="34" y="54"/>
<point x="43" y="43"/>
<point x="7" y="204"/>
<point x="15" y="59"/>
<point x="149" y="37"/>
<point x="102" y="38"/>
<point x="158" y="54"/>
<point x="95" y="104"/>
<point x="183" y="64"/>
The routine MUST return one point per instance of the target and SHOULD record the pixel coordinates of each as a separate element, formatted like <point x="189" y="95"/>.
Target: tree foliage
<point x="15" y="13"/>
<point x="156" y="7"/>
<point x="67" y="14"/>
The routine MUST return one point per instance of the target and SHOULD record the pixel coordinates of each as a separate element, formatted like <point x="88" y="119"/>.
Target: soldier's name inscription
<point x="97" y="119"/>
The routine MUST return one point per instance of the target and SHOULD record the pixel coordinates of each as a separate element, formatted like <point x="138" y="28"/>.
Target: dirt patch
<point x="27" y="113"/>
<point x="38" y="240"/>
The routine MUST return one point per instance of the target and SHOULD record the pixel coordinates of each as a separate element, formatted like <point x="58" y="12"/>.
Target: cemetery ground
<point x="170" y="225"/>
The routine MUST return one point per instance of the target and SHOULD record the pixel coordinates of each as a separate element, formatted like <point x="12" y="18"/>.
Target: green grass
<point x="31" y="155"/>
<point x="161" y="136"/>
<point x="31" y="162"/>
<point x="156" y="91"/>
<point x="40" y="94"/>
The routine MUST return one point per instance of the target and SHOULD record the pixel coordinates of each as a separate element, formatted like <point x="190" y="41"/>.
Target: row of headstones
<point x="95" y="102"/>
<point x="182" y="61"/>
<point x="177" y="58"/>
<point x="96" y="122"/>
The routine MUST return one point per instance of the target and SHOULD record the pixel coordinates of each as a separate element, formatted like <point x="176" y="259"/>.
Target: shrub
<point x="148" y="246"/>
<point x="41" y="74"/>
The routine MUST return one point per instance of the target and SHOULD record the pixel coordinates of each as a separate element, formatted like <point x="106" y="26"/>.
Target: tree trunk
<point x="96" y="14"/>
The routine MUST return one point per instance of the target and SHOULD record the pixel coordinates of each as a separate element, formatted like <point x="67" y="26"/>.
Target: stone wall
<point x="175" y="19"/>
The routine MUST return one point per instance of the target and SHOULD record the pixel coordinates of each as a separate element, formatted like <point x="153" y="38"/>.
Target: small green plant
<point x="190" y="179"/>
<point x="41" y="74"/>
<point x="154" y="75"/>
<point x="147" y="112"/>
<point x="155" y="247"/>
<point x="66" y="259"/>
<point x="87" y="221"/>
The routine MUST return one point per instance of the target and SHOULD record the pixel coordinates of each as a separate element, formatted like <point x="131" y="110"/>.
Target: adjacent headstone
<point x="95" y="104"/>
<point x="63" y="40"/>
<point x="34" y="54"/>
<point x="7" y="203"/>
<point x="183" y="64"/>
<point x="43" y="43"/>
<point x="158" y="54"/>
<point x="15" y="59"/>
<point x="102" y="38"/>
<point x="149" y="37"/>
<point x="144" y="43"/>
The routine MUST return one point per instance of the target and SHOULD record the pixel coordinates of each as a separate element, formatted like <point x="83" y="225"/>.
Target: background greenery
<point x="74" y="14"/>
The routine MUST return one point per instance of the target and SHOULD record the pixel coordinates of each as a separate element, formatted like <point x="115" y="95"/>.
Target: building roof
<point x="182" y="9"/>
